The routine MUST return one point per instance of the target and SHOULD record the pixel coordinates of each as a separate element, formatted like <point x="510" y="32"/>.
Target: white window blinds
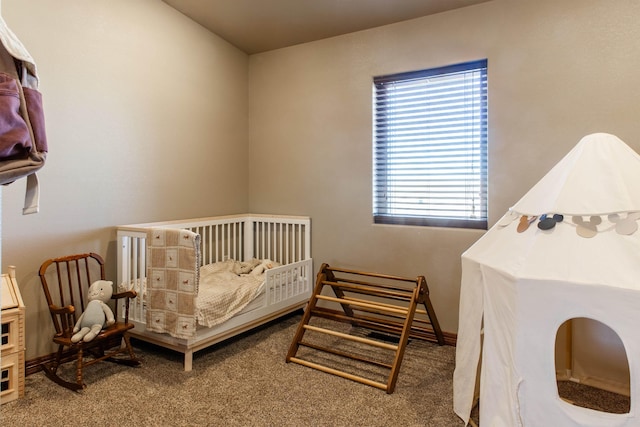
<point x="430" y="147"/>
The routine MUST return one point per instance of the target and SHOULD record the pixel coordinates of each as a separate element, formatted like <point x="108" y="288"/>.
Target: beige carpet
<point x="242" y="382"/>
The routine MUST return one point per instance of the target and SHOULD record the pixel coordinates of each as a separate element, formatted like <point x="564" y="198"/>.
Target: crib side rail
<point x="131" y="270"/>
<point x="196" y="222"/>
<point x="282" y="239"/>
<point x="289" y="281"/>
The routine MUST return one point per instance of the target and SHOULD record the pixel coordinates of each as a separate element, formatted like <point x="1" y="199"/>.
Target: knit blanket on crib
<point x="173" y="263"/>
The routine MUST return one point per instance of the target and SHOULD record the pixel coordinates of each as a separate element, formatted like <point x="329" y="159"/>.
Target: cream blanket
<point x="223" y="292"/>
<point x="173" y="265"/>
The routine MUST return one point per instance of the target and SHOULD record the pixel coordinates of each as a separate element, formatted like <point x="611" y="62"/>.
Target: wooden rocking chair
<point x="65" y="282"/>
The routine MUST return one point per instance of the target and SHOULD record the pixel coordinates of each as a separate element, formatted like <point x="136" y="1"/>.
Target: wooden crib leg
<point x="188" y="360"/>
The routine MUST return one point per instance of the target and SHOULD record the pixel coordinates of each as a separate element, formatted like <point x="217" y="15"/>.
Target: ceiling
<point x="260" y="25"/>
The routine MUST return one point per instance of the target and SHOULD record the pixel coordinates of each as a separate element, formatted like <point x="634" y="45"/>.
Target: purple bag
<point x="23" y="142"/>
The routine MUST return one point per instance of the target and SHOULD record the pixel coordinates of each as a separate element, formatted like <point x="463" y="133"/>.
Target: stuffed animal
<point x="247" y="267"/>
<point x="264" y="265"/>
<point x="97" y="315"/>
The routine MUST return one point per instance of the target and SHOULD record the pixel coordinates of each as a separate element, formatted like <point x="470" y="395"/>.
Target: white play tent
<point x="520" y="283"/>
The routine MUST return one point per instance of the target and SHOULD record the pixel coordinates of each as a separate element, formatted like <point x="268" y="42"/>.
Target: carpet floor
<point x="245" y="381"/>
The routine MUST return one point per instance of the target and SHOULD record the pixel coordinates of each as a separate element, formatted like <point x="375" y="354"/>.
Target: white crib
<point x="283" y="239"/>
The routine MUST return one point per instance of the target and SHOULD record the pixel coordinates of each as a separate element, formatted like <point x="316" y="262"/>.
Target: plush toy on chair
<point x="97" y="315"/>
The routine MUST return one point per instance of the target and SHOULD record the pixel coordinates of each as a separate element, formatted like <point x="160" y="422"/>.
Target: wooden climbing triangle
<point x="382" y="304"/>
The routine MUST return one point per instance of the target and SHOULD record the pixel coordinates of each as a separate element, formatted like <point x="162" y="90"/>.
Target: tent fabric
<point x="518" y="288"/>
<point x="600" y="164"/>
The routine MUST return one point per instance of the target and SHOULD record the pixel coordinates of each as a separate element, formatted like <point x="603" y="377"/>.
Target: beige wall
<point x="146" y="116"/>
<point x="558" y="70"/>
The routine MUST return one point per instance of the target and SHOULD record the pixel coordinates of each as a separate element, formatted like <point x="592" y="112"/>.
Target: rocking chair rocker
<point x="65" y="282"/>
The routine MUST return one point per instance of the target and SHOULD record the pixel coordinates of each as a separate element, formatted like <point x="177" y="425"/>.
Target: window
<point x="4" y="336"/>
<point x="5" y="380"/>
<point x="430" y="147"/>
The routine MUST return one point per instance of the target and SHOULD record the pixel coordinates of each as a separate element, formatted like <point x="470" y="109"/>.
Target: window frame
<point x="380" y="181"/>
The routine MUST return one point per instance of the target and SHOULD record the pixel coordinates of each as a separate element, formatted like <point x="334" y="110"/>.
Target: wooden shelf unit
<point x="12" y="344"/>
